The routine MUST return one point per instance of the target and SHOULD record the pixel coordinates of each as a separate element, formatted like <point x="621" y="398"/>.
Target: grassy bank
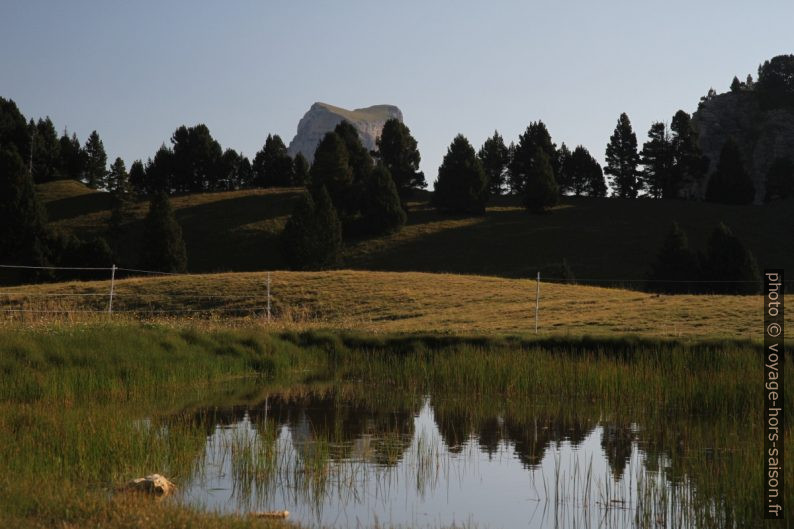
<point x="85" y="408"/>
<point x="386" y="302"/>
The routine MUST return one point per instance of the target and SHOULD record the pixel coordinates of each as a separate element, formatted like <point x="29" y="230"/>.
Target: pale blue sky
<point x="134" y="71"/>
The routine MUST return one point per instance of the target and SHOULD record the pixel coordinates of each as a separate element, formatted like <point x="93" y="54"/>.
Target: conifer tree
<point x="272" y="166"/>
<point x="622" y="160"/>
<point x="14" y="128"/>
<point x="300" y="170"/>
<point x="359" y="159"/>
<point x="536" y="136"/>
<point x="329" y="230"/>
<point x="494" y="157"/>
<point x="676" y="268"/>
<point x="46" y="151"/>
<point x="730" y="183"/>
<point x="118" y="181"/>
<point x="689" y="164"/>
<point x="541" y="191"/>
<point x="96" y="162"/>
<point x="657" y="161"/>
<point x="72" y="157"/>
<point x="564" y="179"/>
<point x="331" y="169"/>
<point x="462" y="186"/>
<point x="729" y="267"/>
<point x="164" y="249"/>
<point x="312" y="237"/>
<point x="397" y="149"/>
<point x="584" y="174"/>
<point x="382" y="211"/>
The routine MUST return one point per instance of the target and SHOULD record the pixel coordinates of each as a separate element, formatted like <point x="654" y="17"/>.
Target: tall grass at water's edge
<point x="73" y="399"/>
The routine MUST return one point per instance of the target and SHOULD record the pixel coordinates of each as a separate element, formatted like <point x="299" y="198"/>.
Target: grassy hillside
<point x="600" y="238"/>
<point x="395" y="302"/>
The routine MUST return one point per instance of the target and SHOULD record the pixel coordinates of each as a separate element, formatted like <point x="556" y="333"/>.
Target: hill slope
<point x="601" y="239"/>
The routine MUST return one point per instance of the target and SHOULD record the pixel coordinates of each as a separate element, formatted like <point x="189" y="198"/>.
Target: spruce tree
<point x="46" y="151"/>
<point x="676" y="268"/>
<point x="137" y="178"/>
<point x="541" y="191"/>
<point x="462" y="186"/>
<point x="272" y="166"/>
<point x="535" y="137"/>
<point x="300" y="170"/>
<point x="657" y="161"/>
<point x="328" y="229"/>
<point x="730" y="183"/>
<point x="14" y="128"/>
<point x="359" y="159"/>
<point x="780" y="179"/>
<point x="118" y="181"/>
<point x="382" y="211"/>
<point x="96" y="162"/>
<point x="622" y="160"/>
<point x="564" y="178"/>
<point x="22" y="217"/>
<point x="195" y="159"/>
<point x="72" y="157"/>
<point x="312" y="237"/>
<point x="729" y="267"/>
<point x="331" y="169"/>
<point x="584" y="174"/>
<point x="164" y="249"/>
<point x="397" y="149"/>
<point x="689" y="164"/>
<point x="494" y="157"/>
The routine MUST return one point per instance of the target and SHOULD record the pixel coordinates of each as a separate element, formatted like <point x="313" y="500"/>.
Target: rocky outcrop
<point x="322" y="118"/>
<point x="762" y="135"/>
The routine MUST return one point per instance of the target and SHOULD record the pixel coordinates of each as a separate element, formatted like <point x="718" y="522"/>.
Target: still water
<point x="331" y="462"/>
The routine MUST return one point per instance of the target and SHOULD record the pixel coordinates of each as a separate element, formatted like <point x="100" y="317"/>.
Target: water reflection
<point x="334" y="462"/>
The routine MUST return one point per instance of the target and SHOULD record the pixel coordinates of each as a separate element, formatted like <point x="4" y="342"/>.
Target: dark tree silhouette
<point x="541" y="191"/>
<point x="300" y="170"/>
<point x="312" y="237"/>
<point x="584" y="174"/>
<point x="137" y="177"/>
<point x="622" y="160"/>
<point x="72" y="158"/>
<point x="46" y="151"/>
<point x="657" y="161"/>
<point x="776" y="82"/>
<point x="689" y="164"/>
<point x="462" y="186"/>
<point x="160" y="172"/>
<point x="728" y="266"/>
<point x="331" y="169"/>
<point x="14" y="128"/>
<point x="359" y="159"/>
<point x="195" y="160"/>
<point x="676" y="269"/>
<point x="96" y="162"/>
<point x="397" y="149"/>
<point x="780" y="179"/>
<point x="382" y="211"/>
<point x="272" y="166"/>
<point x="730" y="183"/>
<point x="536" y="136"/>
<point x="563" y="164"/>
<point x="118" y="180"/>
<point x="164" y="249"/>
<point x="494" y="157"/>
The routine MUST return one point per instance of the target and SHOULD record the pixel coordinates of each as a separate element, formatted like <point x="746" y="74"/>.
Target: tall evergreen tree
<point x="564" y="181"/>
<point x="22" y="217"/>
<point x="137" y="178"/>
<point x="689" y="164"/>
<point x="729" y="267"/>
<point x="96" y="162"/>
<point x="775" y="84"/>
<point x="730" y="183"/>
<point x="584" y="174"/>
<point x="164" y="249"/>
<point x="300" y="170"/>
<point x="462" y="186"/>
<point x="382" y="212"/>
<point x="780" y="179"/>
<point x="541" y="191"/>
<point x="676" y="268"/>
<point x="46" y="151"/>
<point x="657" y="161"/>
<point x="397" y="149"/>
<point x="196" y="159"/>
<point x="536" y="136"/>
<point x="272" y="166"/>
<point x="119" y="180"/>
<point x="14" y="128"/>
<point x="494" y="157"/>
<point x="360" y="160"/>
<point x="331" y="169"/>
<point x="622" y="160"/>
<point x="160" y="172"/>
<point x="72" y="157"/>
<point x="312" y="237"/>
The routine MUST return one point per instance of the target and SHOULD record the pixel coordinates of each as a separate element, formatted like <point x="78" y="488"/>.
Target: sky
<point x="135" y="71"/>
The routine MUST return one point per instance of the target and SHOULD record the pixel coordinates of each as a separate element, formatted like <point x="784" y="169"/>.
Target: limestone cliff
<point x="322" y="118"/>
<point x="762" y="135"/>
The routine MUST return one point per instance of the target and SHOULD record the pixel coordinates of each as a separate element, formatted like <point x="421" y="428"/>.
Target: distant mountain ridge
<point x="322" y="118"/>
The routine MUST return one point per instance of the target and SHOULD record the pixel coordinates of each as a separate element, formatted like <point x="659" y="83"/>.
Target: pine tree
<point x="462" y="186"/>
<point x="584" y="174"/>
<point x="564" y="179"/>
<point x="164" y="249"/>
<point x="541" y="189"/>
<point x="195" y="160"/>
<point x="676" y="268"/>
<point x="160" y="172"/>
<point x="312" y="237"/>
<point x="137" y="178"/>
<point x="657" y="161"/>
<point x="272" y="166"/>
<point x="96" y="162"/>
<point x="730" y="183"/>
<point x="729" y="267"/>
<point x="22" y="217"/>
<point x="72" y="157"/>
<point x="780" y="179"/>
<point x="494" y="157"/>
<point x="536" y="136"/>
<point x="359" y="158"/>
<point x="382" y="211"/>
<point x="397" y="149"/>
<point x="331" y="169"/>
<point x="118" y="181"/>
<point x="14" y="129"/>
<point x="689" y="164"/>
<point x="46" y="151"/>
<point x="300" y="170"/>
<point x="736" y="85"/>
<point x="622" y="160"/>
